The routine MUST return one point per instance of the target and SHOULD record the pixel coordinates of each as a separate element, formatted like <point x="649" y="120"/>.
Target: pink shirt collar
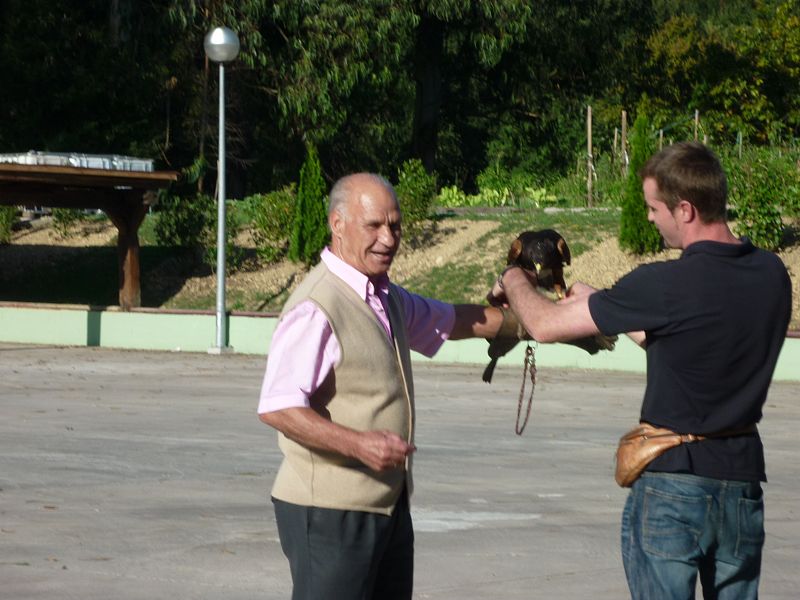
<point x="361" y="284"/>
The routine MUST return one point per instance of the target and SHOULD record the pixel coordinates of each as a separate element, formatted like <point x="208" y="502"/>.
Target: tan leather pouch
<point x="640" y="446"/>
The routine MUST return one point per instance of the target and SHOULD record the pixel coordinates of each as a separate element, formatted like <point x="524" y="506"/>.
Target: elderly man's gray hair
<point x="340" y="192"/>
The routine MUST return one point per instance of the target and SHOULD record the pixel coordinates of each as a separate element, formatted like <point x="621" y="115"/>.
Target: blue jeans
<point x="676" y="525"/>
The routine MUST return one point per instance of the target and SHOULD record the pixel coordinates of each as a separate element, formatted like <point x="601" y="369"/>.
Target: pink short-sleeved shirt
<point x="291" y="378"/>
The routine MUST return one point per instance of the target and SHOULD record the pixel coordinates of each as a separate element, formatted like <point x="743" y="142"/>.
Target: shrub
<point x="234" y="255"/>
<point x="191" y="223"/>
<point x="271" y="215"/>
<point x="636" y="233"/>
<point x="453" y="197"/>
<point x="609" y="187"/>
<point x="608" y="184"/>
<point x="310" y="221"/>
<point x="186" y="222"/>
<point x="759" y="186"/>
<point x="493" y="177"/>
<point x="501" y="187"/>
<point x="416" y="191"/>
<point x="64" y="219"/>
<point x="8" y="216"/>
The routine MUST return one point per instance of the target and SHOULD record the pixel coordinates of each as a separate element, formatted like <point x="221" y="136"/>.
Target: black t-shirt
<point x="715" y="321"/>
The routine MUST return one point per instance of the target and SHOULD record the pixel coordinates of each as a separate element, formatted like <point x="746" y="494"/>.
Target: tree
<point x="310" y="226"/>
<point x="335" y="77"/>
<point x="193" y="84"/>
<point x="458" y="84"/>
<point x="534" y="100"/>
<point x="737" y="63"/>
<point x="636" y="233"/>
<point x="77" y="83"/>
<point x="456" y="44"/>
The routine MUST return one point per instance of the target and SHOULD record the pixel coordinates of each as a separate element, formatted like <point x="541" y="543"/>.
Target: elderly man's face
<point x="367" y="233"/>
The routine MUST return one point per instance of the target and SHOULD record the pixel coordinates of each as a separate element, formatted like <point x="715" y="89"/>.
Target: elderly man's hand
<point x="383" y="450"/>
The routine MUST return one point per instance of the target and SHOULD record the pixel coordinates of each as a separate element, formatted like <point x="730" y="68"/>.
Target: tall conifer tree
<point x="310" y="227"/>
<point x="636" y="233"/>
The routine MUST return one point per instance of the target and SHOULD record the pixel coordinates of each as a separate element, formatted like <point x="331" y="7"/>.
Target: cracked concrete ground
<point x="146" y="475"/>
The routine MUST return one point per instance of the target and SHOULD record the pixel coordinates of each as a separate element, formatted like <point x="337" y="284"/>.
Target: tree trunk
<point x="201" y="150"/>
<point x="430" y="39"/>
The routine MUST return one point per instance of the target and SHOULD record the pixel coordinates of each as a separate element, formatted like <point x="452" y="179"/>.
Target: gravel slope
<point x="600" y="267"/>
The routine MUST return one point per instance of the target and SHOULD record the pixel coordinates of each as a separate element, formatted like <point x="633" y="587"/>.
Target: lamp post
<point x="221" y="45"/>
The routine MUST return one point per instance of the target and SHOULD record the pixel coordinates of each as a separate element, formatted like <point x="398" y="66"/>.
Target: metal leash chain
<point x="528" y="367"/>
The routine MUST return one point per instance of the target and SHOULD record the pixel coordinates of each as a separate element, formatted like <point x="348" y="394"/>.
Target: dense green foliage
<point x="8" y="215"/>
<point x="184" y="222"/>
<point x="463" y="86"/>
<point x="310" y="221"/>
<point x="762" y="187"/>
<point x="636" y="233"/>
<point x="272" y="216"/>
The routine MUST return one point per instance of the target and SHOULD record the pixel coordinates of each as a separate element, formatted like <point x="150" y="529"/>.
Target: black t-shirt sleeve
<point x="637" y="302"/>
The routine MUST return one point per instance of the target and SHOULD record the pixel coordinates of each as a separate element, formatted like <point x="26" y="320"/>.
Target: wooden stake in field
<point x="623" y="147"/>
<point x="589" y="165"/>
<point x="696" y="123"/>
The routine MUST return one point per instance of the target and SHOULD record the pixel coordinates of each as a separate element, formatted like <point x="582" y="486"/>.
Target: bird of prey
<point x="545" y="252"/>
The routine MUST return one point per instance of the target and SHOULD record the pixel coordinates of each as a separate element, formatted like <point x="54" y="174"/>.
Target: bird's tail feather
<point x="489" y="370"/>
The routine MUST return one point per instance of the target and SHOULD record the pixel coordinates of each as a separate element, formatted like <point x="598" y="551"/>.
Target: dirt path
<point x="447" y="244"/>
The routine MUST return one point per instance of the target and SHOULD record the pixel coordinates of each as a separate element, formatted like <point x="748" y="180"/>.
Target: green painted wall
<point x="196" y="332"/>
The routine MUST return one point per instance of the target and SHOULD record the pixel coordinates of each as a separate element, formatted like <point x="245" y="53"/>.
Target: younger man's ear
<point x="687" y="210"/>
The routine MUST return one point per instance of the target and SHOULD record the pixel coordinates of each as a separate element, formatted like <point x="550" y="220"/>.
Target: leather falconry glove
<point x="545" y="252"/>
<point x="509" y="335"/>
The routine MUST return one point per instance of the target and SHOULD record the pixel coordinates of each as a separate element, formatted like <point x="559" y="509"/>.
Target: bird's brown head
<point x="514" y="251"/>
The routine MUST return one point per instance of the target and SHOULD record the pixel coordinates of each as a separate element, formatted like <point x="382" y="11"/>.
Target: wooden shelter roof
<point x="75" y="187"/>
<point x="123" y="195"/>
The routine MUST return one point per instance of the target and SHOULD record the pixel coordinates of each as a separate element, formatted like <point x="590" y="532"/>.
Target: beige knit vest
<point x="371" y="388"/>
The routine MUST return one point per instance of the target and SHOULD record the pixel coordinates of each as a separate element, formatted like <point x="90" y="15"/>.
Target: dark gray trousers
<point x="347" y="555"/>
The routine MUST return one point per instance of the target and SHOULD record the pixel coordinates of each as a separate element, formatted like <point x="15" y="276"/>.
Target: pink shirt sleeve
<point x="304" y="348"/>
<point x="302" y="353"/>
<point x="429" y="322"/>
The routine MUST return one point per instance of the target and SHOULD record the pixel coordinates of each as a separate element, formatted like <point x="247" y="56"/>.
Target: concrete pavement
<point x="144" y="475"/>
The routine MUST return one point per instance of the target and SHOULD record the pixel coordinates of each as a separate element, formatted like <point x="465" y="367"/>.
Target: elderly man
<point x="339" y="389"/>
<point x="713" y="323"/>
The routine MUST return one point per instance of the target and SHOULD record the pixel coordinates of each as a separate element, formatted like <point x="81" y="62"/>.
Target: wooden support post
<point x="589" y="159"/>
<point x="696" y="123"/>
<point x="660" y="139"/>
<point x="624" y="144"/>
<point x="127" y="217"/>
